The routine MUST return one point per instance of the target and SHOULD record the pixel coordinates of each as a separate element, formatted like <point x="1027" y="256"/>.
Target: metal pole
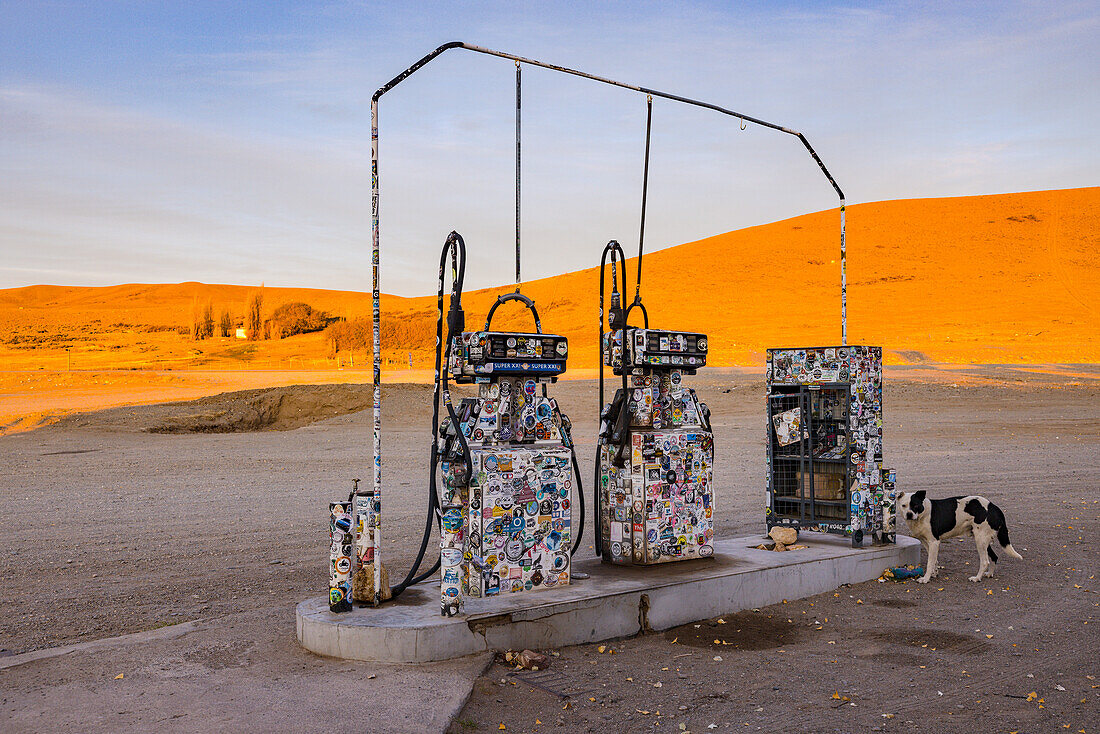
<point x="377" y="347"/>
<point x="645" y="90"/>
<point x="374" y="217"/>
<point x="645" y="191"/>
<point x="517" y="171"/>
<point x="843" y="281"/>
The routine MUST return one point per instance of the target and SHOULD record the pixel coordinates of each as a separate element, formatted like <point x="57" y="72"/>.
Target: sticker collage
<point x="507" y="528"/>
<point x="659" y="505"/>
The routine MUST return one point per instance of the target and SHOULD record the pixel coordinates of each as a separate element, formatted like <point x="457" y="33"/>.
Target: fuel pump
<point x="655" y="456"/>
<point x="655" y="451"/>
<point x="507" y="464"/>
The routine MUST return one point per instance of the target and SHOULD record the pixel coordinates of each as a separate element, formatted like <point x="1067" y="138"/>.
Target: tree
<point x="225" y="324"/>
<point x="208" y="320"/>
<point x="254" y="322"/>
<point x="196" y="320"/>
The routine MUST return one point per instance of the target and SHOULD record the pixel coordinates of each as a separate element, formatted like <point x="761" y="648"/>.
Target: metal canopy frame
<point x="519" y="60"/>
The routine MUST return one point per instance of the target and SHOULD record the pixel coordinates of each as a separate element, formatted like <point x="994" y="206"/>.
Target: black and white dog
<point x="931" y="521"/>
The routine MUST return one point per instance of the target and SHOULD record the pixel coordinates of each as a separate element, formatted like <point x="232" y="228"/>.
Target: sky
<point x="229" y="142"/>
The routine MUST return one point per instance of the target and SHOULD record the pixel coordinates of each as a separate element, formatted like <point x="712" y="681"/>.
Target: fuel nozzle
<point x="615" y="312"/>
<point x="456" y="317"/>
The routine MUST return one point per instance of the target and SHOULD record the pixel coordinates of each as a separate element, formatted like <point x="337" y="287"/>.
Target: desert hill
<point x="1003" y="278"/>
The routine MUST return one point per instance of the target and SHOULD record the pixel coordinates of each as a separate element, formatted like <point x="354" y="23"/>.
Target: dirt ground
<point x="109" y="527"/>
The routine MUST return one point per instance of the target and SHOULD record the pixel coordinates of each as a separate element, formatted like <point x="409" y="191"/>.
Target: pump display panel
<point x="655" y="349"/>
<point x="477" y="354"/>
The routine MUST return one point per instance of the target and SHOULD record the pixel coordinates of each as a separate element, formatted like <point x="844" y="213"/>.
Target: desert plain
<point x="164" y="499"/>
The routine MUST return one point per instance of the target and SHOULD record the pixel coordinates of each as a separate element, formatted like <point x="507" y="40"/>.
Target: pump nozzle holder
<point x="456" y="319"/>
<point x="615" y="313"/>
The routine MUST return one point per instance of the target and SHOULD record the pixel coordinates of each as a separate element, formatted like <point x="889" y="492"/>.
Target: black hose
<point x="614" y="313"/>
<point x="580" y="498"/>
<point x="455" y="324"/>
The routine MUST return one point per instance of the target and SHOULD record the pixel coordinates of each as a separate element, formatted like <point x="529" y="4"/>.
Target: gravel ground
<point x="108" y="528"/>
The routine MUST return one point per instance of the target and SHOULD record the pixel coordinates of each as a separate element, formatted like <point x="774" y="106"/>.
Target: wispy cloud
<point x="241" y="153"/>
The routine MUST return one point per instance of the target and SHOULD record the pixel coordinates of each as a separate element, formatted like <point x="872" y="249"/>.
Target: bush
<point x="412" y="332"/>
<point x="296" y="318"/>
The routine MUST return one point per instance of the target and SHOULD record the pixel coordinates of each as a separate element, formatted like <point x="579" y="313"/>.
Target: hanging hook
<point x="743" y="123"/>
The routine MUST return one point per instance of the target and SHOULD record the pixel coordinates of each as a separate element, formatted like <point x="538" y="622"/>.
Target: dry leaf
<point x="119" y="676"/>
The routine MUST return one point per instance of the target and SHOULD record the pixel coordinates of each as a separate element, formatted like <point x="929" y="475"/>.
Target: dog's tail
<point x="997" y="522"/>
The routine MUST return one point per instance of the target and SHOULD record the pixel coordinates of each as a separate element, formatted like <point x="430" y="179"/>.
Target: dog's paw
<point x="923" y="580"/>
<point x="976" y="578"/>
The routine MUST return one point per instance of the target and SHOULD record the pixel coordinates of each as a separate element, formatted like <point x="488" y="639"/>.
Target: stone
<point x="786" y="536"/>
<point x="531" y="660"/>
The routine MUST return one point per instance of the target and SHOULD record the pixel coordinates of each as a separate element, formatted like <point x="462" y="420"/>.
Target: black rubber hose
<point x="580" y="498"/>
<point x="454" y="245"/>
<point x="613" y="248"/>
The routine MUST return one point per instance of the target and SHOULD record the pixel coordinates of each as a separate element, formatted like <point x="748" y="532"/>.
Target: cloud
<point x="246" y="157"/>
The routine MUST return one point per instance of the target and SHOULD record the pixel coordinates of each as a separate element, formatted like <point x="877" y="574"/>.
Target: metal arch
<point x="375" y="293"/>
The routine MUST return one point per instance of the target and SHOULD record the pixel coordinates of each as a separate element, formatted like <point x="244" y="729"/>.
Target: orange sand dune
<point x="1007" y="278"/>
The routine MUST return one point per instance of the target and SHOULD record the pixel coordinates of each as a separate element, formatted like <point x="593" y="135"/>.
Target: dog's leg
<point x="933" y="552"/>
<point x="992" y="560"/>
<point x="982" y="541"/>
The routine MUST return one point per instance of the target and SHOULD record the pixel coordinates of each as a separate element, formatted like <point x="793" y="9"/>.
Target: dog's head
<point x="911" y="505"/>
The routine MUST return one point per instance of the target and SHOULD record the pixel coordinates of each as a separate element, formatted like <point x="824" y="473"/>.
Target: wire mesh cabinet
<point x="824" y="443"/>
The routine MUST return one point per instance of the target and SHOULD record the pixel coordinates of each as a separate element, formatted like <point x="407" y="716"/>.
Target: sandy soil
<point x="110" y="528"/>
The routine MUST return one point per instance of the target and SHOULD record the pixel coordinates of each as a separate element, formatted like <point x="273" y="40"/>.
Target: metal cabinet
<point x="824" y="442"/>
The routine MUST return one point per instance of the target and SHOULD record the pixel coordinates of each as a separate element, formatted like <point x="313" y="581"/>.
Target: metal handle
<point x="515" y="297"/>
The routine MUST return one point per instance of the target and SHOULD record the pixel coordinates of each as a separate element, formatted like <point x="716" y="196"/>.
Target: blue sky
<point x="229" y="142"/>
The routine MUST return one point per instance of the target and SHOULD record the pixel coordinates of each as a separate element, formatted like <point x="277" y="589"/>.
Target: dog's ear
<point x="916" y="501"/>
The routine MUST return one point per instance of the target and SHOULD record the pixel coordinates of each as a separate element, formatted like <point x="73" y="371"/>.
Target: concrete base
<point x="615" y="601"/>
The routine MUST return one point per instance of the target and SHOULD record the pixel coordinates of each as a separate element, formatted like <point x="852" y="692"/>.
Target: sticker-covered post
<point x="377" y="350"/>
<point x="341" y="535"/>
<point x="843" y="281"/>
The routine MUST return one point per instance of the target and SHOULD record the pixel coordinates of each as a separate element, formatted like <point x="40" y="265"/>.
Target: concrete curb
<point x="108" y="643"/>
<point x="615" y="602"/>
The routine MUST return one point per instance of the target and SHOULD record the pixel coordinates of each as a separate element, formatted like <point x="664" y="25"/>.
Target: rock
<point x="531" y="660"/>
<point x="362" y="584"/>
<point x="786" y="536"/>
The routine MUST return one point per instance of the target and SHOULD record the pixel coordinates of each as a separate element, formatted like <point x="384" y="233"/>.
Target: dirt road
<point x="109" y="529"/>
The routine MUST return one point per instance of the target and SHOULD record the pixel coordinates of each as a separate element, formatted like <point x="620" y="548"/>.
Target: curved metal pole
<point x="565" y="70"/>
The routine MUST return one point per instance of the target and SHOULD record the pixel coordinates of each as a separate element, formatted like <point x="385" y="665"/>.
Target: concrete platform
<point x="614" y="602"/>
